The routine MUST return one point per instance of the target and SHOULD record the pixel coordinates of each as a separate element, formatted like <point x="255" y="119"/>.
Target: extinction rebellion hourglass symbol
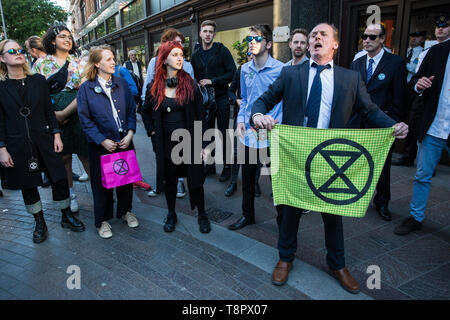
<point x="120" y="167"/>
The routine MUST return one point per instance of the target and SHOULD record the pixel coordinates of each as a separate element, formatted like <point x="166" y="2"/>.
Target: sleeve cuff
<point x="56" y="131"/>
<point x="416" y="90"/>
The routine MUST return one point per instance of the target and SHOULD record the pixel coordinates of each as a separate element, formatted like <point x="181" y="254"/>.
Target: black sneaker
<point x="204" y="224"/>
<point x="408" y="225"/>
<point x="226" y="174"/>
<point x="171" y="221"/>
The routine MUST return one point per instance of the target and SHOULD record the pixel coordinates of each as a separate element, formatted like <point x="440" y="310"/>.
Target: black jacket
<point x="42" y="125"/>
<point x="234" y="91"/>
<point x="219" y="69"/>
<point x="350" y="97"/>
<point x="387" y="87"/>
<point x="433" y="65"/>
<point x="194" y="111"/>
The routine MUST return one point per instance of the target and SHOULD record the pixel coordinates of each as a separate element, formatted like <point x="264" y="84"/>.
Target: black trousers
<point x="103" y="198"/>
<point x="288" y="220"/>
<point x="413" y="124"/>
<point x="223" y="119"/>
<point x="250" y="175"/>
<point x="60" y="192"/>
<point x="171" y="174"/>
<point x="383" y="194"/>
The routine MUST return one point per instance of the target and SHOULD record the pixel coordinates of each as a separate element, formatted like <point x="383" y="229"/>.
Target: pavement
<point x="147" y="263"/>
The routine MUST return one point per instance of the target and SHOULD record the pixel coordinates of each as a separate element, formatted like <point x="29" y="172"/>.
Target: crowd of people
<point x="61" y="104"/>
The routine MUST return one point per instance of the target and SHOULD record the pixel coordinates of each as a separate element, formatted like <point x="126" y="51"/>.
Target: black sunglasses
<point x="370" y="36"/>
<point x="14" y="51"/>
<point x="257" y="38"/>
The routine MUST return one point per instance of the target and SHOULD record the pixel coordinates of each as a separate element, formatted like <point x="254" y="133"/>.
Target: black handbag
<point x="57" y="81"/>
<point x="208" y="100"/>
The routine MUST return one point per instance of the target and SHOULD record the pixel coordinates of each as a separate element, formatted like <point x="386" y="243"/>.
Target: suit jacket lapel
<point x="304" y="78"/>
<point x="363" y="68"/>
<point x="338" y="88"/>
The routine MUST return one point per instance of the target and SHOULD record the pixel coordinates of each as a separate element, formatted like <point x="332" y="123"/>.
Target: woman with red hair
<point x="175" y="102"/>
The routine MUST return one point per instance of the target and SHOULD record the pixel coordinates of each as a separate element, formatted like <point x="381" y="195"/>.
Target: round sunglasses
<point x="257" y="38"/>
<point x="14" y="51"/>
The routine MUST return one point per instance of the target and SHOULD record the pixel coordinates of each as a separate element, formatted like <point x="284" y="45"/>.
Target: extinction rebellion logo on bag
<point x="121" y="167"/>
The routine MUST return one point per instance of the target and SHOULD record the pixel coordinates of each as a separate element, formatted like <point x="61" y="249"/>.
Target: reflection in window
<point x="111" y="25"/>
<point x="133" y="12"/>
<point x="100" y="30"/>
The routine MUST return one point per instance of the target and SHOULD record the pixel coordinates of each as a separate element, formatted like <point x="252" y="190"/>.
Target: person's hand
<point x="61" y="117"/>
<point x="109" y="145"/>
<point x="238" y="102"/>
<point x="240" y="128"/>
<point x="401" y="130"/>
<point x="424" y="83"/>
<point x="58" y="143"/>
<point x="5" y="158"/>
<point x="125" y="142"/>
<point x="205" y="82"/>
<point x="205" y="154"/>
<point x="264" y="121"/>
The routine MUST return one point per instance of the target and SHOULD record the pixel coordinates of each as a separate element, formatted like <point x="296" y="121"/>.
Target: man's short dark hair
<point x="209" y="23"/>
<point x="50" y="36"/>
<point x="299" y="30"/>
<point x="262" y="30"/>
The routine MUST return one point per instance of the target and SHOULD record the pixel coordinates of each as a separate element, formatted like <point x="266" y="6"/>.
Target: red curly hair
<point x="185" y="87"/>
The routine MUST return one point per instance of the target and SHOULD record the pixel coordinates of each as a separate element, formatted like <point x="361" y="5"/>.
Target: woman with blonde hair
<point x="30" y="140"/>
<point x="35" y="48"/>
<point x="107" y="113"/>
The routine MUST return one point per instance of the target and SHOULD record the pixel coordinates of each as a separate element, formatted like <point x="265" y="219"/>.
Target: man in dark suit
<point x="432" y="81"/>
<point x="384" y="74"/>
<point x="134" y="66"/>
<point x="318" y="94"/>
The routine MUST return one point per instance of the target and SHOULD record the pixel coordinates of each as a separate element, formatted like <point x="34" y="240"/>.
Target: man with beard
<point x="298" y="45"/>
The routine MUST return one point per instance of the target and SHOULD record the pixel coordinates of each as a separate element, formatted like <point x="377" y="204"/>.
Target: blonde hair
<point x="95" y="56"/>
<point x="4" y="68"/>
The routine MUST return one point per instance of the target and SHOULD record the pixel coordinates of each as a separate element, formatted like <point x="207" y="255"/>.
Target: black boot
<point x="231" y="189"/>
<point x="69" y="221"/>
<point x="171" y="222"/>
<point x="203" y="223"/>
<point x="40" y="231"/>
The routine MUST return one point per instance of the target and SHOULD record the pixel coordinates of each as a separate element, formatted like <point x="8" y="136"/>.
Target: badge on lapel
<point x="381" y="76"/>
<point x="97" y="89"/>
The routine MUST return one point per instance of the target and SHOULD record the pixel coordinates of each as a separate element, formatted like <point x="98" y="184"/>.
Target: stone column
<point x="281" y="17"/>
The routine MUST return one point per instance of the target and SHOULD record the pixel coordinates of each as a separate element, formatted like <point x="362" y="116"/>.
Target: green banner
<point x="327" y="170"/>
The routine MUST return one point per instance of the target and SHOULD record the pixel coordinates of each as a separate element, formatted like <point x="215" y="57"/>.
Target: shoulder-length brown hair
<point x="95" y="56"/>
<point x="4" y="68"/>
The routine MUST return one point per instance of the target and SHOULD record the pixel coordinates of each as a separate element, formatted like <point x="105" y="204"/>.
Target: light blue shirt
<point x="376" y="61"/>
<point x="440" y="127"/>
<point x="289" y="63"/>
<point x="187" y="66"/>
<point x="253" y="84"/>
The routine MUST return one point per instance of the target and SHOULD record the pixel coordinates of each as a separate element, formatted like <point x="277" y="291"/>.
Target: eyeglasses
<point x="14" y="51"/>
<point x="257" y="38"/>
<point x="249" y="54"/>
<point x="64" y="36"/>
<point x="370" y="36"/>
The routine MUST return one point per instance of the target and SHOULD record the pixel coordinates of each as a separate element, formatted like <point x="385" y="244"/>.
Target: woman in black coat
<point x="29" y="138"/>
<point x="173" y="101"/>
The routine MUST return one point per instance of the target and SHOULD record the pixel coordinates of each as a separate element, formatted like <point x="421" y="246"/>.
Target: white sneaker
<point x="131" y="220"/>
<point x="73" y="203"/>
<point x="84" y="177"/>
<point x="105" y="230"/>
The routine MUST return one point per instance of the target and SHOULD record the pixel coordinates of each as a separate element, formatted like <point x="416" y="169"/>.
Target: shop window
<point x="133" y="12"/>
<point x="166" y="4"/>
<point x="111" y="24"/>
<point x="91" y="36"/>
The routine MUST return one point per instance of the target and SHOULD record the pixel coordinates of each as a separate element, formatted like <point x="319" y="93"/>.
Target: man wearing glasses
<point x="385" y="77"/>
<point x="256" y="76"/>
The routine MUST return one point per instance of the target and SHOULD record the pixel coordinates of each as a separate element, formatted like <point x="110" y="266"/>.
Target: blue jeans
<point x="428" y="156"/>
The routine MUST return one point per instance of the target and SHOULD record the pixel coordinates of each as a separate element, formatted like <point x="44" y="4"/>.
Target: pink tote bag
<point x="119" y="169"/>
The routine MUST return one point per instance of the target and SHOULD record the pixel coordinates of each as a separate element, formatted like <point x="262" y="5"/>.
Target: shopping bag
<point x="119" y="169"/>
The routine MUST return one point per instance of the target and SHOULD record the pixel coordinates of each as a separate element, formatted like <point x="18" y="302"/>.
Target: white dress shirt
<point x="440" y="127"/>
<point x="412" y="65"/>
<point x="376" y="61"/>
<point x="113" y="108"/>
<point x="327" y="78"/>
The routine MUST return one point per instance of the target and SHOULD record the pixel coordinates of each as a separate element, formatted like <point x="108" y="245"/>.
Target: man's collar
<point x="331" y="62"/>
<point x="378" y="57"/>
<point x="269" y="63"/>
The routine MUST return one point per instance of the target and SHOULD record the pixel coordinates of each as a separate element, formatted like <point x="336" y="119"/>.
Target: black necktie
<point x="409" y="56"/>
<point x="315" y="96"/>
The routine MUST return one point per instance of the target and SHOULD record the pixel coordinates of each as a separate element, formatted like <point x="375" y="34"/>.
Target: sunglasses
<point x="249" y="54"/>
<point x="14" y="51"/>
<point x="257" y="38"/>
<point x="370" y="36"/>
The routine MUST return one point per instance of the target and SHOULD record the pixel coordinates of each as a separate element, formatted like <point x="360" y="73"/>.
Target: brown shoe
<point x="346" y="280"/>
<point x="281" y="272"/>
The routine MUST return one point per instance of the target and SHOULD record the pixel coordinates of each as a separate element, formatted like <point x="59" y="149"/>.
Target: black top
<point x="205" y="55"/>
<point x="20" y="85"/>
<point x="172" y="111"/>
